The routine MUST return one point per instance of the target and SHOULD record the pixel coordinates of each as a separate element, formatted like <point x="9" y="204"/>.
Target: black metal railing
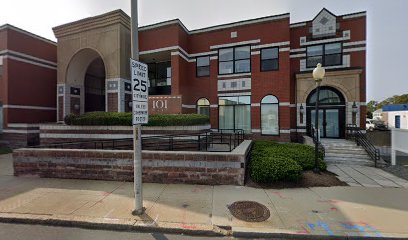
<point x="354" y="132"/>
<point x="221" y="141"/>
<point x="320" y="146"/>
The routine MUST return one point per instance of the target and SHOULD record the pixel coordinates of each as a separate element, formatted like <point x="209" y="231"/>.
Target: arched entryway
<point x="332" y="113"/>
<point x="86" y="77"/>
<point x="94" y="84"/>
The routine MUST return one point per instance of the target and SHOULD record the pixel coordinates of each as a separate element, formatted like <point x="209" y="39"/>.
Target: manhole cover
<point x="249" y="211"/>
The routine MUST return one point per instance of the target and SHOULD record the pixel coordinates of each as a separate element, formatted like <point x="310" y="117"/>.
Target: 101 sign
<point x="140" y="92"/>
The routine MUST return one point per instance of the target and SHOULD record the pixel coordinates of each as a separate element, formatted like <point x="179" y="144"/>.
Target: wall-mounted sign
<point x="165" y="104"/>
<point x="140" y="92"/>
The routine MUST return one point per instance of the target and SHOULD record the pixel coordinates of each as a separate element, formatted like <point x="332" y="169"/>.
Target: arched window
<point x="203" y="106"/>
<point x="327" y="96"/>
<point x="270" y="115"/>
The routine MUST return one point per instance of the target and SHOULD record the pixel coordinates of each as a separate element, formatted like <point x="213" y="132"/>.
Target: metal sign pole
<point x="137" y="129"/>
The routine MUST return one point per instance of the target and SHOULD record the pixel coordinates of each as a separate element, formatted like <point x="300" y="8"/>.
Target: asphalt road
<point x="38" y="232"/>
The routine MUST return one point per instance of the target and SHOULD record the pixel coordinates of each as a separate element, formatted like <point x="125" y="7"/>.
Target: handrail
<point x="200" y="141"/>
<point x="320" y="146"/>
<point x="354" y="132"/>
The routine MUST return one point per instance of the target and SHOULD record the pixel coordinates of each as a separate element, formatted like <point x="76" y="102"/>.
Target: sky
<point x="387" y="28"/>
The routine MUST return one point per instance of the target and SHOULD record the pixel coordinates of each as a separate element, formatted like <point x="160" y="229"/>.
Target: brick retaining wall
<point x="158" y="166"/>
<point x="20" y="135"/>
<point x="53" y="133"/>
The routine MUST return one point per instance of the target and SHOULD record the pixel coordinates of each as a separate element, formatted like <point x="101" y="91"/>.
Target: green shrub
<point x="271" y="161"/>
<point x="266" y="169"/>
<point x="302" y="154"/>
<point x="5" y="150"/>
<point x="178" y="120"/>
<point x="125" y="119"/>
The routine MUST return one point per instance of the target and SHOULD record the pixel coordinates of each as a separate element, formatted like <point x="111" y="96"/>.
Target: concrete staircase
<point x="341" y="151"/>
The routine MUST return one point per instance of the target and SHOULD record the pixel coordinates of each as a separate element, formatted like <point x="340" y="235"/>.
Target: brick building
<point x="28" y="71"/>
<point x="253" y="75"/>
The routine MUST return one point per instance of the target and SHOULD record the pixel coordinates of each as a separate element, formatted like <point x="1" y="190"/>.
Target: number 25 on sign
<point x="140" y="88"/>
<point x="140" y="92"/>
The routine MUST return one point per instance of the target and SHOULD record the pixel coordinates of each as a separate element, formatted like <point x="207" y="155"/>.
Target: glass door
<point x="226" y="117"/>
<point x="313" y="121"/>
<point x="243" y="117"/>
<point x="331" y="123"/>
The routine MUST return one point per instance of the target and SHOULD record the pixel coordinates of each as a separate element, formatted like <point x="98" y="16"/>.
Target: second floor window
<point x="327" y="54"/>
<point x="269" y="59"/>
<point x="234" y="60"/>
<point x="203" y="66"/>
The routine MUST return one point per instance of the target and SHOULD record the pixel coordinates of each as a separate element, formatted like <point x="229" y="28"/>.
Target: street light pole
<point x="137" y="129"/>
<point x="318" y="75"/>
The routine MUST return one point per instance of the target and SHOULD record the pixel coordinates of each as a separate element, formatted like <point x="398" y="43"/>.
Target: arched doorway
<point x="86" y="77"/>
<point x="332" y="113"/>
<point x="94" y="84"/>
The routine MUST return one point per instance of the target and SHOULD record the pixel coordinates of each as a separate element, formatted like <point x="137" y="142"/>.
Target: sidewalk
<point x="306" y="213"/>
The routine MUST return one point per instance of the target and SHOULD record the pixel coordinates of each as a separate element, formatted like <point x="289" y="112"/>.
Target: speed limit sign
<point x="140" y="92"/>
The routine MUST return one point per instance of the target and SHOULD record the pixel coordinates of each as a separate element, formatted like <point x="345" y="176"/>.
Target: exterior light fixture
<point x="318" y="75"/>
<point x="354" y="107"/>
<point x="301" y="109"/>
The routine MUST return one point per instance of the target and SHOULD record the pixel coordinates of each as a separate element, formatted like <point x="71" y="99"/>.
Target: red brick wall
<point x="159" y="167"/>
<point x="112" y="102"/>
<point x="34" y="86"/>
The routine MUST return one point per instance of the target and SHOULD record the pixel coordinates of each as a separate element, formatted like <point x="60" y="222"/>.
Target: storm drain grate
<point x="249" y="211"/>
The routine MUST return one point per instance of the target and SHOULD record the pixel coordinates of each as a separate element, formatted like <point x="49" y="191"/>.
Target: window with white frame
<point x="203" y="106"/>
<point x="269" y="59"/>
<point x="329" y="54"/>
<point x="234" y="60"/>
<point x="203" y="66"/>
<point x="270" y="115"/>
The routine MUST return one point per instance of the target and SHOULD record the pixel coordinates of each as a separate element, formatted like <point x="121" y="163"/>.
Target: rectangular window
<point x="160" y="78"/>
<point x="234" y="60"/>
<point x="235" y="113"/>
<point x="203" y="66"/>
<point x="327" y="54"/>
<point x="270" y="59"/>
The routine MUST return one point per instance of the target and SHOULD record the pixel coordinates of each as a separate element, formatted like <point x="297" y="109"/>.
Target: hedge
<point x="271" y="161"/>
<point x="125" y="119"/>
<point x="5" y="150"/>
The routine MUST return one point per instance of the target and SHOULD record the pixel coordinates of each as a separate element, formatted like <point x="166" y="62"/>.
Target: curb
<point x="132" y="225"/>
<point x="277" y="235"/>
<point x="114" y="224"/>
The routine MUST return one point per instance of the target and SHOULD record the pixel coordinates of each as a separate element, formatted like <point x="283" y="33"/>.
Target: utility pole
<point x="137" y="129"/>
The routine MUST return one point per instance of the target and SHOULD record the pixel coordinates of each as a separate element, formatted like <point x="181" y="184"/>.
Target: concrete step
<point x="358" y="154"/>
<point x="347" y="159"/>
<point x="354" y="149"/>
<point x="348" y="156"/>
<point x="352" y="163"/>
<point x="340" y="145"/>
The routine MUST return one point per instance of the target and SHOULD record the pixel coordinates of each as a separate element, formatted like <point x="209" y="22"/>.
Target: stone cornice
<point x="308" y="75"/>
<point x="104" y="20"/>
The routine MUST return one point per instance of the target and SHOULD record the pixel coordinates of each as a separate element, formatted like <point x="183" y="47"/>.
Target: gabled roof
<point x="324" y="10"/>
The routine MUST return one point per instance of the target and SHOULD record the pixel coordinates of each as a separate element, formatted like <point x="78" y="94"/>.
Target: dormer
<point x="324" y="24"/>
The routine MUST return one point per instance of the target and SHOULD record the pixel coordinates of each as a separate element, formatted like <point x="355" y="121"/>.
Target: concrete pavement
<point x="194" y="209"/>
<point x="366" y="176"/>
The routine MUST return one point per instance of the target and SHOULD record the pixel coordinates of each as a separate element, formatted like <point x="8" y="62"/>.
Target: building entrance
<point x="332" y="122"/>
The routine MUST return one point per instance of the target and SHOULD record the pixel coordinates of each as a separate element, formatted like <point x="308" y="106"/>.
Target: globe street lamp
<point x="318" y="75"/>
